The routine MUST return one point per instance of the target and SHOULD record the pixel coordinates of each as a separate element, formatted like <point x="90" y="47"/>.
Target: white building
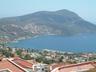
<point x="40" y="68"/>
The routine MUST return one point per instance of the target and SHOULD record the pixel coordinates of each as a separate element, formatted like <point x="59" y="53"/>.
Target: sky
<point x="84" y="8"/>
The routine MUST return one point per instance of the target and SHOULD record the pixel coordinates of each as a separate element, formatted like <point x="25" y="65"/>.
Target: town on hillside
<point x="33" y="60"/>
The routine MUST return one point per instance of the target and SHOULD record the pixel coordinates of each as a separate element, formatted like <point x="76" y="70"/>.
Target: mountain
<point x="61" y="22"/>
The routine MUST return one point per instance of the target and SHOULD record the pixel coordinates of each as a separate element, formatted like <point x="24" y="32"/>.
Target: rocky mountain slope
<point x="61" y="22"/>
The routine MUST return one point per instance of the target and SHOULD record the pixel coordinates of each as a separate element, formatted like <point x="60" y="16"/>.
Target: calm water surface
<point x="80" y="43"/>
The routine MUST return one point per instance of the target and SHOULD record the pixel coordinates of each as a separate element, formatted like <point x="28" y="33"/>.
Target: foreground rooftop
<point x="76" y="67"/>
<point x="8" y="66"/>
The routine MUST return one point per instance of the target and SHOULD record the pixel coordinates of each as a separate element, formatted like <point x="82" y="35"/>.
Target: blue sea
<point x="78" y="43"/>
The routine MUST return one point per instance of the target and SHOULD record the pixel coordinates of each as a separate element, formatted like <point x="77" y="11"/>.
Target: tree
<point x="19" y="52"/>
<point x="27" y="57"/>
<point x="39" y="59"/>
<point x="44" y="60"/>
<point x="61" y="59"/>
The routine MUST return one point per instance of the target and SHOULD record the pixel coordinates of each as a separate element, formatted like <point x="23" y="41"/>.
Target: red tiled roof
<point x="75" y="67"/>
<point x="6" y="64"/>
<point x="23" y="63"/>
<point x="55" y="65"/>
<point x="81" y="64"/>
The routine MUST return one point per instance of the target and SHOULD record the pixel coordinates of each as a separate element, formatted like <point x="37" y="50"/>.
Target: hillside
<point x="61" y="22"/>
